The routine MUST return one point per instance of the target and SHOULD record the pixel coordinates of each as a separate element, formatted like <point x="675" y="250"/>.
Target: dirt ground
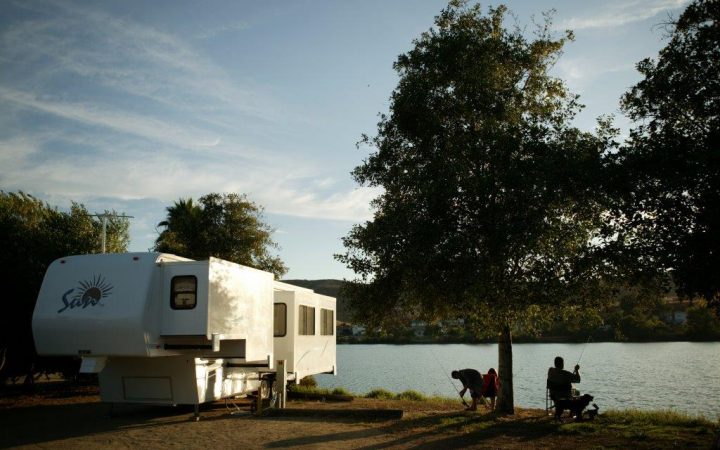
<point x="55" y="417"/>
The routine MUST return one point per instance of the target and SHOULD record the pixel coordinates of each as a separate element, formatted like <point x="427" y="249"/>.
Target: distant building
<point x="344" y="329"/>
<point x="675" y="317"/>
<point x="418" y="327"/>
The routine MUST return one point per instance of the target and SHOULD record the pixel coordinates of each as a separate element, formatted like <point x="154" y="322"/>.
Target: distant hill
<point x="330" y="288"/>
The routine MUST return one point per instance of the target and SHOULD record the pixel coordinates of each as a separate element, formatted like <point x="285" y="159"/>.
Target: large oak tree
<point x="489" y="206"/>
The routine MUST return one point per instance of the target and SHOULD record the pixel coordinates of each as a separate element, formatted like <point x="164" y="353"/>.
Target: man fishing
<point x="560" y="380"/>
<point x="471" y="380"/>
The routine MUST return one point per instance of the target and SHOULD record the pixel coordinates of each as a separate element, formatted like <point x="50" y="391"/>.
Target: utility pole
<point x="104" y="217"/>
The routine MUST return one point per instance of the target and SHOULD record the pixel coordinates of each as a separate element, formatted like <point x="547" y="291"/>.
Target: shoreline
<point x="77" y="419"/>
<point x="552" y="340"/>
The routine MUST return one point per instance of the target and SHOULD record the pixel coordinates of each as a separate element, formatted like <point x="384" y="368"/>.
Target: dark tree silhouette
<point x="669" y="209"/>
<point x="225" y="226"/>
<point x="32" y="235"/>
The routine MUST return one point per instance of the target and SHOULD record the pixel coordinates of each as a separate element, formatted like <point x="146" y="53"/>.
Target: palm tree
<point x="227" y="226"/>
<point x="183" y="230"/>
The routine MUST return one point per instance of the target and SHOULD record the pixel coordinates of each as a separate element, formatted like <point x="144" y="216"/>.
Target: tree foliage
<point x="32" y="235"/>
<point x="670" y="169"/>
<point x="227" y="226"/>
<point x="489" y="207"/>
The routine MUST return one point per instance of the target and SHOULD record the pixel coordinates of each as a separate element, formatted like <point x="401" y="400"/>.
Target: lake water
<point x="681" y="376"/>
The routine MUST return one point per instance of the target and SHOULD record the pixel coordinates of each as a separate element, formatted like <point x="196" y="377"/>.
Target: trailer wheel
<point x="275" y="398"/>
<point x="270" y="390"/>
<point x="267" y="388"/>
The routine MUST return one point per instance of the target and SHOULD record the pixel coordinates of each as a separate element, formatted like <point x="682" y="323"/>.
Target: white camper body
<point x="162" y="329"/>
<point x="306" y="338"/>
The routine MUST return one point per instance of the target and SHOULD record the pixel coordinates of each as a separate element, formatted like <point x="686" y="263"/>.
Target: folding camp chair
<point x="549" y="399"/>
<point x="551" y="396"/>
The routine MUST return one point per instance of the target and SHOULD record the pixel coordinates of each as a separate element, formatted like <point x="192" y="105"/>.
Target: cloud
<point x="349" y="205"/>
<point x="90" y="114"/>
<point x="580" y="71"/>
<point x="114" y="171"/>
<point x="618" y="14"/>
<point x="97" y="106"/>
<point x="18" y="147"/>
<point x="214" y="143"/>
<point x="213" y="32"/>
<point x="117" y="53"/>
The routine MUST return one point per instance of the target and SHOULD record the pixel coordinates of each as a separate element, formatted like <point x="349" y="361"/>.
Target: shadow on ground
<point x="45" y="423"/>
<point x="445" y="430"/>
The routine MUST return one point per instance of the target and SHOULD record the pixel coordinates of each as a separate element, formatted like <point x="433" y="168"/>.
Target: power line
<point x="104" y="217"/>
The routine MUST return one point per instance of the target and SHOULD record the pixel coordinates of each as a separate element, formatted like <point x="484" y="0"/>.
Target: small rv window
<point x="306" y="320"/>
<point x="327" y="322"/>
<point x="280" y="319"/>
<point x="183" y="292"/>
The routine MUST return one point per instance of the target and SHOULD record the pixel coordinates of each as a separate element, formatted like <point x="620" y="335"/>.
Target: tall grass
<point x="320" y="391"/>
<point x="658" y="418"/>
<point x="380" y="394"/>
<point x="410" y="395"/>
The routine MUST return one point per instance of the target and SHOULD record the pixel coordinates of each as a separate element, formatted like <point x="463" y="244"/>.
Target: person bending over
<point x="472" y="381"/>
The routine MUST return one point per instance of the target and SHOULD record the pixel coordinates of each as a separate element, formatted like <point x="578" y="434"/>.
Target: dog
<point x="593" y="413"/>
<point x="575" y="405"/>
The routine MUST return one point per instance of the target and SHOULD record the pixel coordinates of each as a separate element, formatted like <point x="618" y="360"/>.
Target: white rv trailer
<point x="162" y="329"/>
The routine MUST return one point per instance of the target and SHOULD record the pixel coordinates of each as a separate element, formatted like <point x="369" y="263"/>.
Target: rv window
<point x="280" y="319"/>
<point x="306" y="321"/>
<point x="183" y="292"/>
<point x="327" y="322"/>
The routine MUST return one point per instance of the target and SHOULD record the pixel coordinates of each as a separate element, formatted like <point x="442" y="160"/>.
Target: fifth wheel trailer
<point x="162" y="329"/>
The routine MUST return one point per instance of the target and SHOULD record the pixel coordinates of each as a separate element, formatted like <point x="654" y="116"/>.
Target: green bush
<point x="309" y="390"/>
<point x="341" y="391"/>
<point x="411" y="395"/>
<point x="320" y="391"/>
<point x="380" y="394"/>
<point x="308" y="381"/>
<point x="702" y="323"/>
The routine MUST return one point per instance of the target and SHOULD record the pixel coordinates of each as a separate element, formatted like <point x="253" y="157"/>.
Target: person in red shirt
<point x="491" y="386"/>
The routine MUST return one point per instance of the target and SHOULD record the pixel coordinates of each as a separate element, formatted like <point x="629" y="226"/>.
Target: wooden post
<point x="259" y="399"/>
<point x="281" y="381"/>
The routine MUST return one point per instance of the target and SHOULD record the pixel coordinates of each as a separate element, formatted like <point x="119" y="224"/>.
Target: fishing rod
<point x="583" y="350"/>
<point x="448" y="377"/>
<point x="456" y="389"/>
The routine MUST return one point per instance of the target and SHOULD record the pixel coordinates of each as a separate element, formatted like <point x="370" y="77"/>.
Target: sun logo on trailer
<point x="88" y="293"/>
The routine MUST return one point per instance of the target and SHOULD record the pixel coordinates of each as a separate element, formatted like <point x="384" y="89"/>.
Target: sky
<point x="132" y="105"/>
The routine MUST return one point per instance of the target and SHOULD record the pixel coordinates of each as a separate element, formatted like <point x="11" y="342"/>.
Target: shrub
<point x="380" y="394"/>
<point x="411" y="395"/>
<point x="341" y="391"/>
<point x="319" y="391"/>
<point x="308" y="381"/>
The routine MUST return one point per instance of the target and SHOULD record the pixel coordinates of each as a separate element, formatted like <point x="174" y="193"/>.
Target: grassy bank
<point x="611" y="429"/>
<point x="64" y="415"/>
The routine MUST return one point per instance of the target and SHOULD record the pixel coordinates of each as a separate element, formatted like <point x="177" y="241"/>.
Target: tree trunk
<point x="506" y="400"/>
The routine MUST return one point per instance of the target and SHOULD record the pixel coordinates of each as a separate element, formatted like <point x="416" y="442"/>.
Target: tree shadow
<point x="45" y="423"/>
<point x="520" y="430"/>
<point x="343" y="415"/>
<point x="460" y="430"/>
